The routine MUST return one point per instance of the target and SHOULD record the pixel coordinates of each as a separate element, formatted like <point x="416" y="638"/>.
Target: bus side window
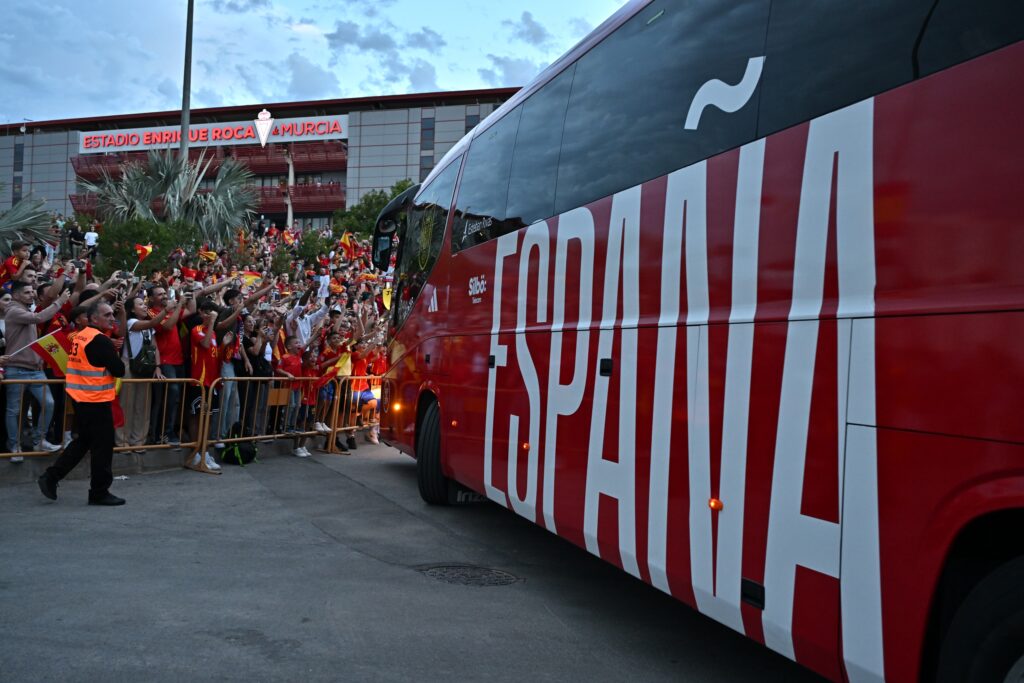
<point x="483" y="193"/>
<point x="531" y="191"/>
<point x="828" y="54"/>
<point x="632" y="93"/>
<point x="959" y="30"/>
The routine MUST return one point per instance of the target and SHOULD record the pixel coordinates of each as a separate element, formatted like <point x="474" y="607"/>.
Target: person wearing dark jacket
<point x="93" y="365"/>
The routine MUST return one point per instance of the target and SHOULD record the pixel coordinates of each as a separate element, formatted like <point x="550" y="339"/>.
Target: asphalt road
<point x="314" y="569"/>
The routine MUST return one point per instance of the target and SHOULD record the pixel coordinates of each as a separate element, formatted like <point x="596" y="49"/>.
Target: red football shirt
<point x="309" y="389"/>
<point x="168" y="342"/>
<point x="205" y="362"/>
<point x="291" y="363"/>
<point x="10" y="269"/>
<point x="360" y="363"/>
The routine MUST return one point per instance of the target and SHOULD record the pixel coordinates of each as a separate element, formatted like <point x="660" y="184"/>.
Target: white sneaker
<point x="67" y="439"/>
<point x="219" y="445"/>
<point x="210" y="463"/>
<point x="49" y="447"/>
<point x="16" y="458"/>
<point x="322" y="428"/>
<point x="300" y="453"/>
<point x="371" y="436"/>
<point x="195" y="460"/>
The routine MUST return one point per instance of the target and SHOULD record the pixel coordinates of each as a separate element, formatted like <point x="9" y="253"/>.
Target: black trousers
<point x="55" y="434"/>
<point x="95" y="423"/>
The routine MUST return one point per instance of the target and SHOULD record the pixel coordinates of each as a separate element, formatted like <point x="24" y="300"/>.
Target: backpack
<point x="240" y="452"/>
<point x="143" y="363"/>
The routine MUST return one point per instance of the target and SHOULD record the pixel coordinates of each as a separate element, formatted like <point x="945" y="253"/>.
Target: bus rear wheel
<point x="434" y="486"/>
<point x="985" y="640"/>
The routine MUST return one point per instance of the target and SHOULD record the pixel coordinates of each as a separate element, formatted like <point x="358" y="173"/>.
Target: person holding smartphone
<point x="163" y="420"/>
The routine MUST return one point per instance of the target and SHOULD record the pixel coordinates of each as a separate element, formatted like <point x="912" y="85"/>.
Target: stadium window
<point x="427" y="134"/>
<point x="632" y="92"/>
<point x="483" y="193"/>
<point x="958" y="30"/>
<point x="19" y="156"/>
<point x="531" y="191"/>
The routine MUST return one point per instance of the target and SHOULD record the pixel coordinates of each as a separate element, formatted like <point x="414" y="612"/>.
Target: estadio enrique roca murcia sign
<point x="304" y="129"/>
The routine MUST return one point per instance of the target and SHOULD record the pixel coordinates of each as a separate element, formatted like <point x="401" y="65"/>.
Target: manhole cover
<point x="468" y="575"/>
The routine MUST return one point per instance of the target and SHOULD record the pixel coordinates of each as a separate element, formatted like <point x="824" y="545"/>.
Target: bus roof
<point x="575" y="52"/>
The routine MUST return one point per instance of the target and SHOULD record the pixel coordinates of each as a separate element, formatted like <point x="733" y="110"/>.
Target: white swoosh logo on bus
<point x="728" y="98"/>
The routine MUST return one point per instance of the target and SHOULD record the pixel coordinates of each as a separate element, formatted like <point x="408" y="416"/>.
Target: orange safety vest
<point x="87" y="383"/>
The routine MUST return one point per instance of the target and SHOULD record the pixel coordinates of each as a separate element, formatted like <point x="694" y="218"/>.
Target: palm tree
<point x="27" y="220"/>
<point x="168" y="188"/>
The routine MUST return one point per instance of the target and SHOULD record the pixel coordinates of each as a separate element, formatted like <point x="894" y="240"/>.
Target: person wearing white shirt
<point x="92" y="239"/>
<point x="301" y="319"/>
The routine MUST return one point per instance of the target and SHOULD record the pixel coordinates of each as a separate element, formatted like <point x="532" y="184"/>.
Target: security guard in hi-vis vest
<point x="93" y="365"/>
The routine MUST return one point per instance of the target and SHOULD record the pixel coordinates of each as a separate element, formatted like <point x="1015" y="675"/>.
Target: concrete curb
<point x="124" y="463"/>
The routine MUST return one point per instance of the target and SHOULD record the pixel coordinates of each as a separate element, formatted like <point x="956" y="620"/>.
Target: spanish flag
<point x="210" y="256"/>
<point x="288" y="237"/>
<point x="279" y="348"/>
<point x="348" y="245"/>
<point x="53" y="349"/>
<point x="143" y="250"/>
<point x="251" y="277"/>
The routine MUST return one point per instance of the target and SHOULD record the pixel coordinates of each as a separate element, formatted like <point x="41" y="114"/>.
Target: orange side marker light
<point x="715" y="504"/>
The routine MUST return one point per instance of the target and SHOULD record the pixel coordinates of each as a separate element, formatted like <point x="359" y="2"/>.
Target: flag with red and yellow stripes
<point x="143" y="250"/>
<point x="53" y="349"/>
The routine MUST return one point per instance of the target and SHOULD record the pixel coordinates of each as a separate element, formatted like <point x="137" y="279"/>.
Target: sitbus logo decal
<point x="839" y="152"/>
<point x="477" y="286"/>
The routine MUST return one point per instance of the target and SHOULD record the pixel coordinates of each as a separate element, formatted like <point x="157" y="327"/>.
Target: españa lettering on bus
<point x="794" y="539"/>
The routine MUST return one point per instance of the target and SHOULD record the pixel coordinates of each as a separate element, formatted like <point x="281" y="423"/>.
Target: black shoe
<point x="48" y="486"/>
<point x="105" y="499"/>
<point x="350" y="442"/>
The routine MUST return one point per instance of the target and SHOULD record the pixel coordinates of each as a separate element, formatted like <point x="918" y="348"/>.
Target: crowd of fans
<point x="204" y="317"/>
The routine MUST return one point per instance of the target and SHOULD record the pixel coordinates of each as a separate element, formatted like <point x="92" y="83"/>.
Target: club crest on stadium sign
<point x="264" y="124"/>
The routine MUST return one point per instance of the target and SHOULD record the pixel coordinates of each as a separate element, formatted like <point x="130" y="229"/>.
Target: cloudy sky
<point x="72" y="58"/>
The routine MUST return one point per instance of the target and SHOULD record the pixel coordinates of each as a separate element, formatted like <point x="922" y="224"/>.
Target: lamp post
<point x="186" y="85"/>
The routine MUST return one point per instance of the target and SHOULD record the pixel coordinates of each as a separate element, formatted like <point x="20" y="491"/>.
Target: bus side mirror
<point x="389" y="222"/>
<point x="382" y="249"/>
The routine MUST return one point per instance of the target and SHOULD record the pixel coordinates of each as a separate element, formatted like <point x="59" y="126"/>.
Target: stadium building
<point x="317" y="156"/>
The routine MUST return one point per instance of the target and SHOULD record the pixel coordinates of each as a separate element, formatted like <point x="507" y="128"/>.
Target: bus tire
<point x="433" y="485"/>
<point x="985" y="639"/>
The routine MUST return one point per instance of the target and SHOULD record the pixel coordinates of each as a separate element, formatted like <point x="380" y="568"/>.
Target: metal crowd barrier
<point x="170" y="431"/>
<point x="261" y="408"/>
<point x="266" y="408"/>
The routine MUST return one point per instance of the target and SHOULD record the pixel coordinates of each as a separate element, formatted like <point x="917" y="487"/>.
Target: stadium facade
<point x="316" y="156"/>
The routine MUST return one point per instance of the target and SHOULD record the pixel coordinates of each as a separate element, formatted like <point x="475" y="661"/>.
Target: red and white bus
<point x="732" y="296"/>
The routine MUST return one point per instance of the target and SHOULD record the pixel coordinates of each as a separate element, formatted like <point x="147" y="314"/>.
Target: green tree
<point x="281" y="262"/>
<point x="360" y="218"/>
<point x="312" y="244"/>
<point x="169" y="189"/>
<point x="117" y="244"/>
